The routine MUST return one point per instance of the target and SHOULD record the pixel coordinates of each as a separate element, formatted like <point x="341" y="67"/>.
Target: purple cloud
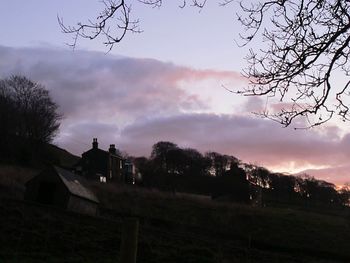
<point x="251" y="139"/>
<point x="93" y="84"/>
<point x="135" y="103"/>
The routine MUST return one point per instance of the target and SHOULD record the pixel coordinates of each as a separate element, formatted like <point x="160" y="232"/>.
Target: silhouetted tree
<point x="28" y="114"/>
<point x="173" y="168"/>
<point x="260" y="176"/>
<point x="196" y="163"/>
<point x="160" y="155"/>
<point x="326" y="193"/>
<point x="344" y="195"/>
<point x="233" y="184"/>
<point x="176" y="161"/>
<point x="168" y="158"/>
<point x="305" y="44"/>
<point x="317" y="192"/>
<point x="282" y="187"/>
<point x="8" y="123"/>
<point x="185" y="162"/>
<point x="220" y="163"/>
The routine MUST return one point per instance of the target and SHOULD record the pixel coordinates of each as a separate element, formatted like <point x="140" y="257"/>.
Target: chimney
<point x="112" y="149"/>
<point x="94" y="143"/>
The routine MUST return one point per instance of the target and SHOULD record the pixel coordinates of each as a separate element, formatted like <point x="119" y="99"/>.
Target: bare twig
<point x="304" y="43"/>
<point x="113" y="22"/>
<point x="307" y="42"/>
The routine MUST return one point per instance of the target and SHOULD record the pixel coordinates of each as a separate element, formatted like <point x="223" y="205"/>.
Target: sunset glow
<point x="170" y="83"/>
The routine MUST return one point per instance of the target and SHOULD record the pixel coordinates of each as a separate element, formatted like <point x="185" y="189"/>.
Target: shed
<point x="61" y="188"/>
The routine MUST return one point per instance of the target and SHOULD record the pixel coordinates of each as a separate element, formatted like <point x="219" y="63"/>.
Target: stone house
<point x="105" y="166"/>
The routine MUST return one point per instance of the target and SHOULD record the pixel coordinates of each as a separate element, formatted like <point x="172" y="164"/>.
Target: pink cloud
<point x="94" y="85"/>
<point x="135" y="103"/>
<point x="337" y="174"/>
<point x="252" y="140"/>
<point x="198" y="75"/>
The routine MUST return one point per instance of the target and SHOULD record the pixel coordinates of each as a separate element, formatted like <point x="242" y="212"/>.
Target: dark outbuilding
<point x="58" y="187"/>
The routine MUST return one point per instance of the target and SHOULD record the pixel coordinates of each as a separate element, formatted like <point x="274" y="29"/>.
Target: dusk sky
<point x="163" y="84"/>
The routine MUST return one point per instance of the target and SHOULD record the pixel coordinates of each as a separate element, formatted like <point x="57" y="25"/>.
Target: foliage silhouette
<point x="29" y="118"/>
<point x="172" y="168"/>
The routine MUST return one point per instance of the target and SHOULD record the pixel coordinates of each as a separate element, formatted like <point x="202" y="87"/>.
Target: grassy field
<point x="172" y="229"/>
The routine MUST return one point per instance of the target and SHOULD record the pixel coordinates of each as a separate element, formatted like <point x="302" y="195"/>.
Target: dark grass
<point x="171" y="230"/>
<point x="32" y="233"/>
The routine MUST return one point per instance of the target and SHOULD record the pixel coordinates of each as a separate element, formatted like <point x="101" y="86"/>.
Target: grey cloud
<point x="254" y="104"/>
<point x="95" y="90"/>
<point x="136" y="102"/>
<point x="250" y="139"/>
<point x="94" y="85"/>
<point x="77" y="136"/>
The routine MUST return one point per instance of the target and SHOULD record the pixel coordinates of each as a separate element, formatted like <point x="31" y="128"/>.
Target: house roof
<point x="73" y="184"/>
<point x="104" y="152"/>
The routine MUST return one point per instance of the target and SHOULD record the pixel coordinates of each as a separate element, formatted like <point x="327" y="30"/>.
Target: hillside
<point x="171" y="230"/>
<point x="62" y="156"/>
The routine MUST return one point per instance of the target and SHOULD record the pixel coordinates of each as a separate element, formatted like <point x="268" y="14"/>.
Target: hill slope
<point x="171" y="230"/>
<point x="62" y="156"/>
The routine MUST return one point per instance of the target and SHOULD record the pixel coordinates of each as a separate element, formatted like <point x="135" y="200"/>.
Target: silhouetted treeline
<point x="28" y="120"/>
<point x="300" y="190"/>
<point x="172" y="168"/>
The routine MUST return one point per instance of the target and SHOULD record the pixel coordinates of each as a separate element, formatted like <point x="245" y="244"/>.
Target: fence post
<point x="128" y="246"/>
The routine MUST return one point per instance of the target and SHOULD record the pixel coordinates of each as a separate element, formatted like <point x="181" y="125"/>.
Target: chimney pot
<point x="94" y="143"/>
<point x="112" y="149"/>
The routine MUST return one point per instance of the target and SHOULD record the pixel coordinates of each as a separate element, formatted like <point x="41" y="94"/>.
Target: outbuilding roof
<point x="73" y="184"/>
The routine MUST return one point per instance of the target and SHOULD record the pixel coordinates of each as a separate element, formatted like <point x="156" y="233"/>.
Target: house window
<point x="103" y="179"/>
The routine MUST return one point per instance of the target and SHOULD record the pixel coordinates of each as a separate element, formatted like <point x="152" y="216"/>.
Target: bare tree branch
<point x="305" y="44"/>
<point x="113" y="22"/>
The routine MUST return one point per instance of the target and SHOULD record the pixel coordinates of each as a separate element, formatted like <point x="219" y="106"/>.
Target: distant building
<point x="129" y="172"/>
<point x="106" y="166"/>
<point x="58" y="187"/>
